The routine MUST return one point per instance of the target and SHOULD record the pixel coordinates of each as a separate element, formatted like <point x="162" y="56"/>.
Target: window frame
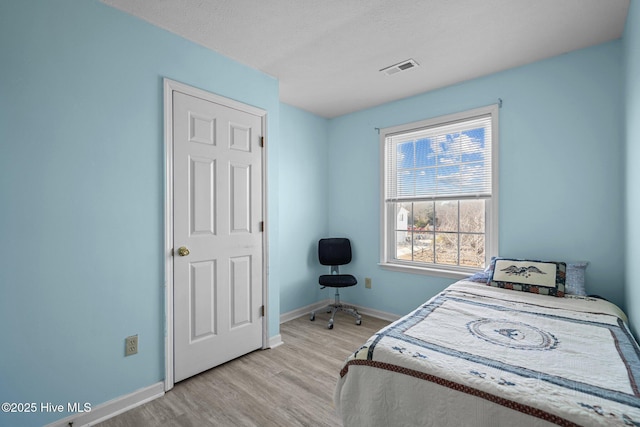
<point x="388" y="213"/>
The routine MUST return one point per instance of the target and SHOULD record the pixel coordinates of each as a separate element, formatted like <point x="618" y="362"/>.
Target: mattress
<point x="476" y="355"/>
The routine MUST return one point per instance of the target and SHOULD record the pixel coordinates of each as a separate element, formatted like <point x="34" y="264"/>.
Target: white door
<point x="218" y="252"/>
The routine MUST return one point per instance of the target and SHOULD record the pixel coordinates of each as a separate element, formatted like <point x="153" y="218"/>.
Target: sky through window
<point x="450" y="163"/>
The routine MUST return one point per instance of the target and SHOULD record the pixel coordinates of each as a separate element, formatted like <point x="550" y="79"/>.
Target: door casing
<point x="169" y="87"/>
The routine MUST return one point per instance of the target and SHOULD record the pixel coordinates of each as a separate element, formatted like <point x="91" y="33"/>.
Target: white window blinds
<point x="447" y="161"/>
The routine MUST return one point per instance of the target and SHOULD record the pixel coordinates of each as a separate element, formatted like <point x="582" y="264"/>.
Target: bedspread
<point x="481" y="356"/>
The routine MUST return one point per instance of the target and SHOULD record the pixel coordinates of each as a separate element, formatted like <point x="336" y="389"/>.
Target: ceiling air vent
<point x="402" y="66"/>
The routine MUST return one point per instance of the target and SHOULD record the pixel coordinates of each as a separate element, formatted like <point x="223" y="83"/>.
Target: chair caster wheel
<point x="358" y="322"/>
<point x="312" y="317"/>
<point x="330" y="326"/>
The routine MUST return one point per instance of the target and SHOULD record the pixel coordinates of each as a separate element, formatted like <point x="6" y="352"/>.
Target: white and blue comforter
<point x="481" y="356"/>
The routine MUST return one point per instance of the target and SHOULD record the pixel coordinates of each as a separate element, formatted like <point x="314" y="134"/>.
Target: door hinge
<point x="262" y="141"/>
<point x="261" y="226"/>
<point x="262" y="311"/>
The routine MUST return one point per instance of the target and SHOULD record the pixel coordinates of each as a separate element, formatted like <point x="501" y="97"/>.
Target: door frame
<point x="169" y="87"/>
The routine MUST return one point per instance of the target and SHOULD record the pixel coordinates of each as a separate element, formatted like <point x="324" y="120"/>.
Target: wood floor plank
<point x="290" y="385"/>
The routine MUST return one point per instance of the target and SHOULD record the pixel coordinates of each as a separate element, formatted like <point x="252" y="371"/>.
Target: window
<point x="440" y="199"/>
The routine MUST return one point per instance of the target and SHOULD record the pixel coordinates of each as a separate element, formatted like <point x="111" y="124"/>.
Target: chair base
<point x="336" y="307"/>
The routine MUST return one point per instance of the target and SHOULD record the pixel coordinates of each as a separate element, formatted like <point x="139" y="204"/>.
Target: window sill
<point x="429" y="271"/>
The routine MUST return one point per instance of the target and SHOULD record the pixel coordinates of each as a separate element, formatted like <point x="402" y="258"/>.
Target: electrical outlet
<point x="367" y="282"/>
<point x="130" y="345"/>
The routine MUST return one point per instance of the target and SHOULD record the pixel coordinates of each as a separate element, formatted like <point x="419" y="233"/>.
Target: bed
<point x="478" y="355"/>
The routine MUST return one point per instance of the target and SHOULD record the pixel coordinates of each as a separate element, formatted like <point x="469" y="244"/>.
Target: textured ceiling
<point x="327" y="54"/>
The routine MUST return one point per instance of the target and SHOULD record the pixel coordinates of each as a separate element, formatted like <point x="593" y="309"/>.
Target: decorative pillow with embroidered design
<point x="538" y="277"/>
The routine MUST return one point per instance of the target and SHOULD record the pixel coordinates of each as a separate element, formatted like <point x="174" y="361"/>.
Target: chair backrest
<point x="334" y="251"/>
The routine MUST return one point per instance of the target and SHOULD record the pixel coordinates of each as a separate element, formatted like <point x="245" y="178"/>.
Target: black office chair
<point x="336" y="252"/>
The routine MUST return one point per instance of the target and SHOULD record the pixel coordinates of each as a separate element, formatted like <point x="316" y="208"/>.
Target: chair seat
<point x="337" y="280"/>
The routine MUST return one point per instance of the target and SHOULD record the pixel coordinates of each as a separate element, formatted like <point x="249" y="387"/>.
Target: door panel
<point x="240" y="137"/>
<point x="202" y="280"/>
<point x="202" y="128"/>
<point x="217" y="209"/>
<point x="240" y="198"/>
<point x="241" y="291"/>
<point x="202" y="202"/>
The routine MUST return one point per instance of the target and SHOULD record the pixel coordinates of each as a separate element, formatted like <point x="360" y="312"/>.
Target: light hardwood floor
<point x="290" y="385"/>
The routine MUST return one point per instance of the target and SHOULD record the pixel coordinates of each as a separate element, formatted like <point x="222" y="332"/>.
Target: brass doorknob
<point x="183" y="251"/>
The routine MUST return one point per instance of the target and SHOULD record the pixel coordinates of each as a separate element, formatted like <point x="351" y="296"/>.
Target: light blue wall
<point x="631" y="41"/>
<point x="561" y="171"/>
<point x="303" y="199"/>
<point x="81" y="185"/>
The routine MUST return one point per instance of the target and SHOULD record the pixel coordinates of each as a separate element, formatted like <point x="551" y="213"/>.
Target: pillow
<point x="575" y="278"/>
<point x="480" y="277"/>
<point x="483" y="276"/>
<point x="538" y="277"/>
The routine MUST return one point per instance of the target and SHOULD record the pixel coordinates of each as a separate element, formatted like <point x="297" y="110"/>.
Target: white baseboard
<point x="378" y="314"/>
<point x="275" y="341"/>
<point x="305" y="311"/>
<point x="302" y="311"/>
<point x="112" y="408"/>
